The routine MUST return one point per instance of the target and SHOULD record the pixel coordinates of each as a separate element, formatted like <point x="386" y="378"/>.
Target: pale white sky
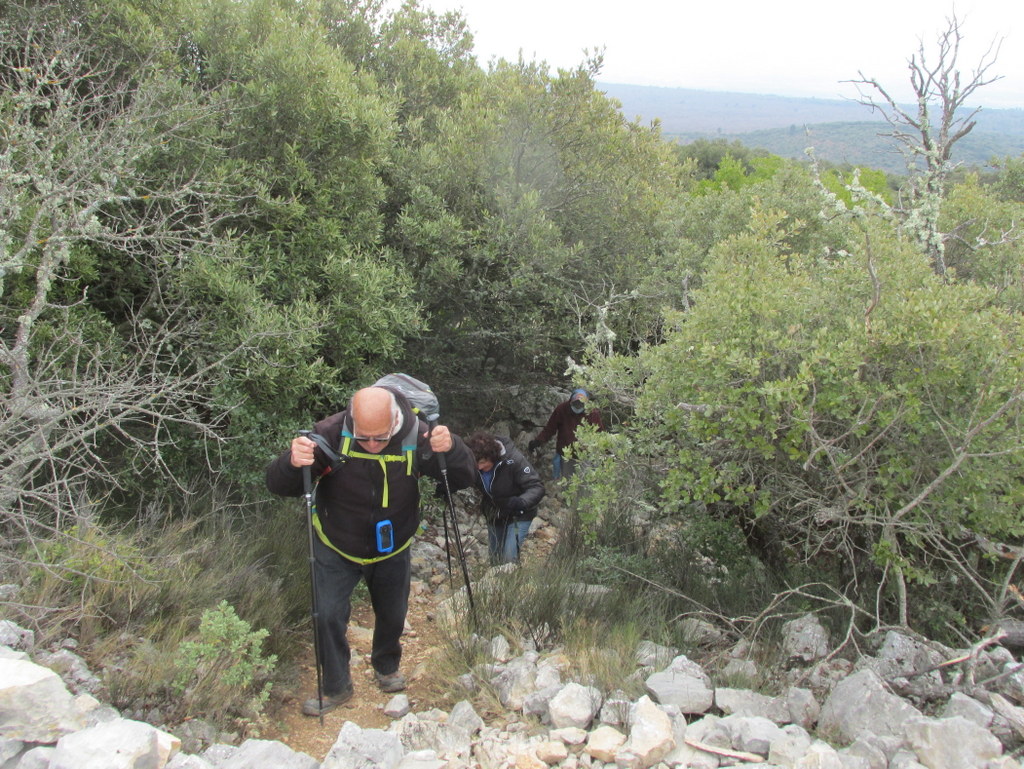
<point x="787" y="47"/>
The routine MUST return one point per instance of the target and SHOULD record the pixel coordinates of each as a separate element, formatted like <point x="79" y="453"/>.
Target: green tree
<point x="981" y="242"/>
<point x="530" y="210"/>
<point x="1009" y="184"/>
<point x="866" y="182"/>
<point x="708" y="155"/>
<point x="308" y="282"/>
<point x="695" y="220"/>
<point x="854" y="419"/>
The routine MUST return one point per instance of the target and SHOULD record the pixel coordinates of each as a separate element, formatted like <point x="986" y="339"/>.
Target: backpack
<point x="423" y="402"/>
<point x="419" y="394"/>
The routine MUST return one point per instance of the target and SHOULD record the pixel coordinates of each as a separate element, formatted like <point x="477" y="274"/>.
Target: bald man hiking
<point x="367" y="513"/>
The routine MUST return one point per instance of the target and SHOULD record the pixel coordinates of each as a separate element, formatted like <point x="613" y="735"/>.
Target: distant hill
<point x="865" y="144"/>
<point x="841" y="131"/>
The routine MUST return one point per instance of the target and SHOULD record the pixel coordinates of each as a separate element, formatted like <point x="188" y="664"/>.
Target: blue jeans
<point x="562" y="467"/>
<point x="336" y="578"/>
<point x="504" y="539"/>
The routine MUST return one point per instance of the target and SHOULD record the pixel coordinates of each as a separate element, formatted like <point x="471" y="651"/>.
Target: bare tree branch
<point x="928" y="131"/>
<point x="82" y="146"/>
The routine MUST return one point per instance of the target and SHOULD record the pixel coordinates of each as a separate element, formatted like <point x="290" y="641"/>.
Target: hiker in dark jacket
<point x="510" y="491"/>
<point x="367" y="512"/>
<point x="562" y="424"/>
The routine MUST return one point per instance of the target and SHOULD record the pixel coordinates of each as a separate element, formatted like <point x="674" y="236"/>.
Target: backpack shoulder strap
<point x="410" y="440"/>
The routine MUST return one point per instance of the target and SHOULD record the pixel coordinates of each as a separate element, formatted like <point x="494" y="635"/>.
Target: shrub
<point x="849" y="412"/>
<point x="85" y="581"/>
<point x="223" y="671"/>
<point x="130" y="596"/>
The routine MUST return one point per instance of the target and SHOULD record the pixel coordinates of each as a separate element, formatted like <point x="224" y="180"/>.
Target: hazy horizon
<point x="789" y="48"/>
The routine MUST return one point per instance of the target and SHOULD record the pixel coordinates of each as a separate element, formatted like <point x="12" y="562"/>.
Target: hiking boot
<point x="392" y="682"/>
<point x="311" y="707"/>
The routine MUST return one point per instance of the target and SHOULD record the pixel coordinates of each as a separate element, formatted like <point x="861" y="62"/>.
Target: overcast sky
<point x="789" y="47"/>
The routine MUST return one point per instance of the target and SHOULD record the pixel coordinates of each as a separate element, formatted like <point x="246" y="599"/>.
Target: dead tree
<point x="927" y="130"/>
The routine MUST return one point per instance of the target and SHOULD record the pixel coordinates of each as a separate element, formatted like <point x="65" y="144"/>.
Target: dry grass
<point x="544" y="606"/>
<point x="131" y="597"/>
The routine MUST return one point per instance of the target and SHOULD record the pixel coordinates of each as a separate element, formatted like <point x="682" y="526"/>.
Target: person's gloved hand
<point x="514" y="504"/>
<point x="533" y="445"/>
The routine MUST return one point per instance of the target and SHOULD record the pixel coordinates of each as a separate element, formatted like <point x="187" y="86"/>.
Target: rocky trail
<point x="908" y="703"/>
<point x="422" y="642"/>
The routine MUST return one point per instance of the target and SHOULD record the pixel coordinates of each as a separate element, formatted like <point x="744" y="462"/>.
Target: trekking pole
<point x="444" y="519"/>
<point x="455" y="524"/>
<point x="307" y="488"/>
<point x="504" y="541"/>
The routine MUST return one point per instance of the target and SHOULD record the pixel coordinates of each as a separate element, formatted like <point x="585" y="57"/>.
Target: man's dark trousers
<point x="388" y="584"/>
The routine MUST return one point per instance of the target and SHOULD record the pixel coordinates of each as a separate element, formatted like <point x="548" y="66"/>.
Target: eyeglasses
<point x="373" y="438"/>
<point x="376" y="438"/>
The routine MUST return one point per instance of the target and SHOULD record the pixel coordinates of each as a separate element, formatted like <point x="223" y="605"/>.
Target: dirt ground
<point x="421" y="640"/>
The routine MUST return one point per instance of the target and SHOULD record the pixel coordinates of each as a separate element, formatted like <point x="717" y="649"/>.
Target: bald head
<point x="375" y="413"/>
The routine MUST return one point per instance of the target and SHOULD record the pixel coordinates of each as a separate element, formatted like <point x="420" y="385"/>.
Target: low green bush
<point x="223" y="671"/>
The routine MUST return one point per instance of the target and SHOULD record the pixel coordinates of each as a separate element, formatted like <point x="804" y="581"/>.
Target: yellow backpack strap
<point x="409" y="445"/>
<point x="382" y="460"/>
<point x="410" y="442"/>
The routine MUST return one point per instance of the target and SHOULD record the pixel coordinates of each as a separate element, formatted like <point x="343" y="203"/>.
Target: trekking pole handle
<point x="431" y="424"/>
<point x="307" y="477"/>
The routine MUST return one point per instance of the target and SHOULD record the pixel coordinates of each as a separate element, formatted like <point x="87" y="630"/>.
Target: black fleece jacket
<point x="350" y="501"/>
<point x="516" y="487"/>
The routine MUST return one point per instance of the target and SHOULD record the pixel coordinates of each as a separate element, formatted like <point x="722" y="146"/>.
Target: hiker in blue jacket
<point x="510" y="490"/>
